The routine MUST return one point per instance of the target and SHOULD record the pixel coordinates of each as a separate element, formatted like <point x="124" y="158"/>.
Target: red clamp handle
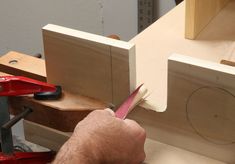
<point x="19" y="85"/>
<point x="27" y="158"/>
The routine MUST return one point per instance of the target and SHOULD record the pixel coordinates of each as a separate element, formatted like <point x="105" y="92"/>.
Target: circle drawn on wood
<point x="211" y="113"/>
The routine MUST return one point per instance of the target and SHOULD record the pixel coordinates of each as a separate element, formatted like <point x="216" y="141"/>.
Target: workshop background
<point x="21" y="21"/>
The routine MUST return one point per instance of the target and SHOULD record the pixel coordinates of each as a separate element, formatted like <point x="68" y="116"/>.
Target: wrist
<point x="75" y="151"/>
<point x="86" y="149"/>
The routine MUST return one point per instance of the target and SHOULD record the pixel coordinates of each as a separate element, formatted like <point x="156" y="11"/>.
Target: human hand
<point x="103" y="138"/>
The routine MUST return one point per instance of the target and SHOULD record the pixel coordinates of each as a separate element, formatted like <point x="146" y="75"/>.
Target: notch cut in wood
<point x="89" y="64"/>
<point x="199" y="13"/>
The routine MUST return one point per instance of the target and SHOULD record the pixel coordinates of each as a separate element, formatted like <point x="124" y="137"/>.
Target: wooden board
<point x="204" y="92"/>
<point x="156" y="152"/>
<point x="29" y="66"/>
<point x="199" y="13"/>
<point x="200" y="114"/>
<point x="70" y="108"/>
<point x="153" y="47"/>
<point x="89" y="64"/>
<point x="166" y="36"/>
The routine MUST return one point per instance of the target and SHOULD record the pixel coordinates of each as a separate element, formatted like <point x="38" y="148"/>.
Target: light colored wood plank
<point x="76" y="64"/>
<point x="200" y="114"/>
<point x="123" y="73"/>
<point x="20" y="64"/>
<point x="205" y="92"/>
<point x="152" y="52"/>
<point x="159" y="153"/>
<point x="156" y="152"/>
<point x="199" y="13"/>
<point x="89" y="64"/>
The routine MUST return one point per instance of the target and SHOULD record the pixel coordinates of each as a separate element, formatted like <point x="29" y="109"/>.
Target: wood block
<point x="201" y="100"/>
<point x="199" y="13"/>
<point x="152" y="52"/>
<point x="200" y="114"/>
<point x="62" y="114"/>
<point x="23" y="65"/>
<point x="205" y="91"/>
<point x="212" y="44"/>
<point x="89" y="64"/>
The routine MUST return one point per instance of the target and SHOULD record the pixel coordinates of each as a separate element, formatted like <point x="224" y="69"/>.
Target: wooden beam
<point x="89" y="64"/>
<point x="201" y="100"/>
<point x="70" y="108"/>
<point x="199" y="13"/>
<point x="19" y="64"/>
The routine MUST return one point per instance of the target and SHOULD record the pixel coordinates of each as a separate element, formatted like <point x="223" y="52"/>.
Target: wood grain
<point x="152" y="52"/>
<point x="200" y="109"/>
<point x="89" y="64"/>
<point x="199" y="13"/>
<point x="63" y="114"/>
